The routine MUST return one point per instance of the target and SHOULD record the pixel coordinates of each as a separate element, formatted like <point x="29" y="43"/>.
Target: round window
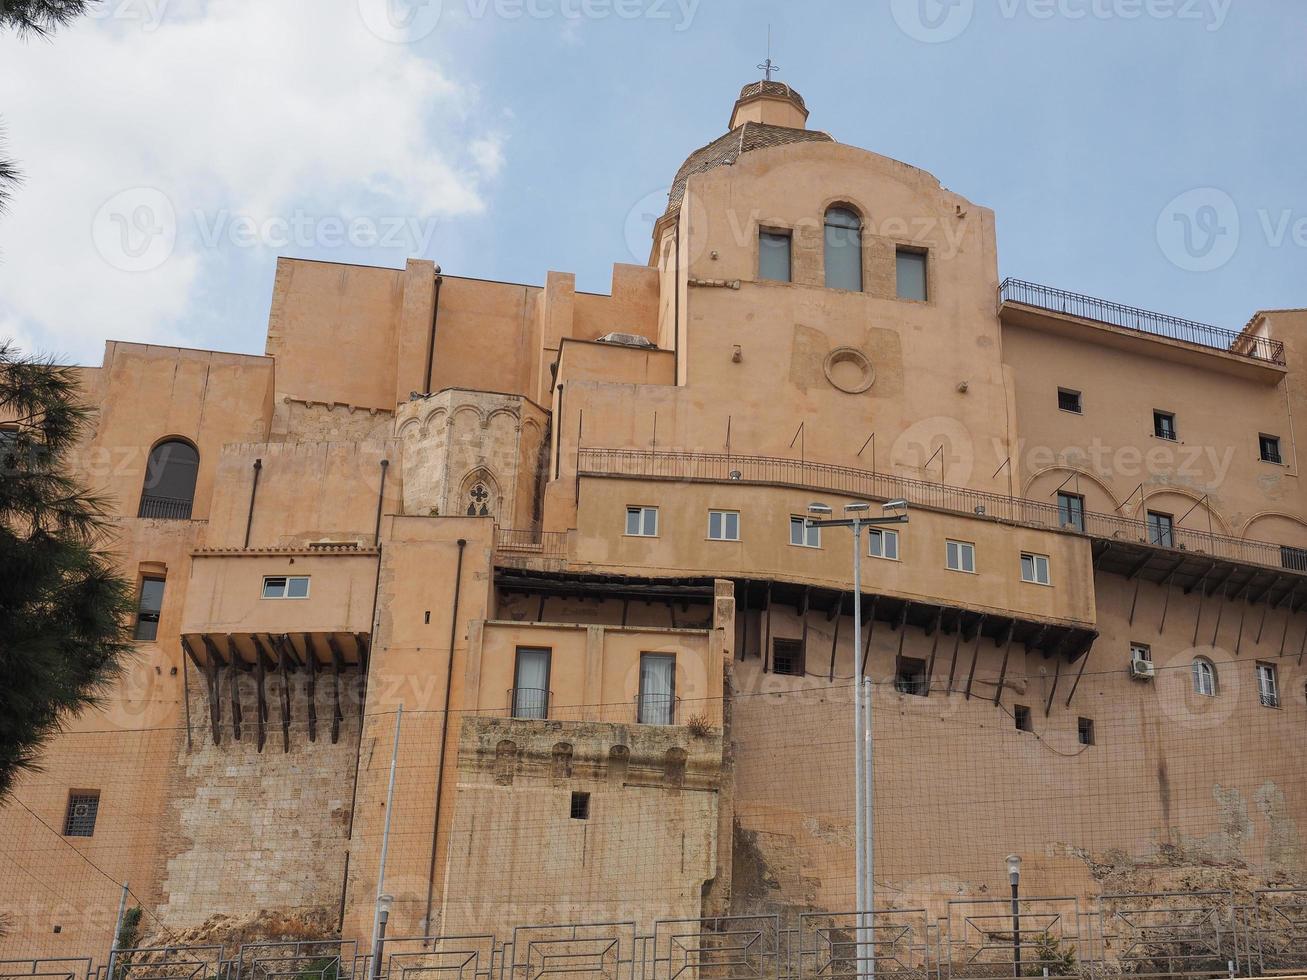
<point x="849" y="370"/>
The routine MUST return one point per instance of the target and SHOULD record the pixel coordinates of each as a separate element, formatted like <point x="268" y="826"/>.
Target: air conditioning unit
<point x="1141" y="668"/>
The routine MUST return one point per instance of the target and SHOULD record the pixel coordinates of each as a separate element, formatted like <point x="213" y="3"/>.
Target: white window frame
<point x="1037" y="561"/>
<point x="724" y="515"/>
<point x="1204" y="675"/>
<point x="962" y="548"/>
<point x="811" y="535"/>
<point x="642" y="525"/>
<point x="889" y="543"/>
<point x="285" y="589"/>
<point x="1141" y="650"/>
<point x="1268" y="685"/>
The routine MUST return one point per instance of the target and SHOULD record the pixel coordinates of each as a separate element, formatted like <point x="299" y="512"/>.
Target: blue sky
<point x="508" y="138"/>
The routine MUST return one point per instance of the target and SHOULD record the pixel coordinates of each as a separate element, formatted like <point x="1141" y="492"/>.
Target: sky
<point x="1149" y="152"/>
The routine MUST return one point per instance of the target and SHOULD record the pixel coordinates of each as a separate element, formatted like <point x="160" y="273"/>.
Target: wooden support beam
<point x="1267" y="588"/>
<point x="1303" y="647"/>
<point x="1002" y="674"/>
<point x="975" y="654"/>
<point x="364" y="644"/>
<point x="1139" y="565"/>
<point x="1220" y="613"/>
<point x="338" y="665"/>
<point x="932" y="626"/>
<point x="215" y="655"/>
<point x="1285" y="635"/>
<point x="1243" y="611"/>
<point x="1166" y="604"/>
<point x="934" y="647"/>
<point x="903" y="621"/>
<point x="233" y="687"/>
<point x="1057" y="674"/>
<point x="871" y="629"/>
<point x="283" y="665"/>
<point x="835" y="641"/>
<point x="1100" y="549"/>
<point x="903" y="616"/>
<point x="766" y="647"/>
<point x="957" y="642"/>
<point x="210" y="670"/>
<point x="261" y="698"/>
<point x="1135" y="601"/>
<point x="1089" y="646"/>
<point x="1202" y="582"/>
<point x="1035" y="639"/>
<point x="836" y="608"/>
<point x="1222" y="581"/>
<point x="311" y="692"/>
<point x="1198" y="618"/>
<point x="1262" y="625"/>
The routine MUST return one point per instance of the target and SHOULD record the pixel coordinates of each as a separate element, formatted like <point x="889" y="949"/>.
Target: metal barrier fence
<point x="778" y="471"/>
<point x="1141" y="321"/>
<point x="1202" y="934"/>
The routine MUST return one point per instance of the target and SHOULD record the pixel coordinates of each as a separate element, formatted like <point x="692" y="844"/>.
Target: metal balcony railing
<point x="656" y="709"/>
<point x="529" y="542"/>
<point x="1142" y="321"/>
<point x="776" y="471"/>
<point x="529" y="703"/>
<point x="165" y="508"/>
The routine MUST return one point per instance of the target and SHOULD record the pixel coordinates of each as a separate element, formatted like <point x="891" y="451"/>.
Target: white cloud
<point x="264" y="127"/>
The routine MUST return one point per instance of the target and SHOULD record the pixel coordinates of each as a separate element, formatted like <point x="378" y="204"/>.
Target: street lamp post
<point x="864" y="831"/>
<point x="383" y="916"/>
<point x="1014" y="877"/>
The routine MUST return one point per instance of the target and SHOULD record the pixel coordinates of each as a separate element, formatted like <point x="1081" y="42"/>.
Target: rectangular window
<point x="802" y="535"/>
<point x="1268" y="688"/>
<point x="961" y="556"/>
<point x="774" y="255"/>
<point x="285" y="586"/>
<point x="1021" y="715"/>
<point x="642" y="522"/>
<point x="657" y="704"/>
<point x="530" y="697"/>
<point x="1068" y="400"/>
<point x="580" y="806"/>
<point x="1141" y="651"/>
<point x="1161" y="529"/>
<point x="1270" y="448"/>
<point x="83" y="808"/>
<point x="1034" y="568"/>
<point x="911" y="268"/>
<point x="787" y="657"/>
<point x="148" y="606"/>
<point x="884" y="543"/>
<point x="910" y="677"/>
<point x="1085" y="731"/>
<point x="1164" y="425"/>
<point x="724" y="525"/>
<point x="1071" y="511"/>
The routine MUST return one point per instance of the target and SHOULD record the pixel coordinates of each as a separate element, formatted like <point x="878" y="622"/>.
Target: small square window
<point x="911" y="274"/>
<point x="1069" y="401"/>
<point x="787" y="657"/>
<point x="774" y="255"/>
<point x="285" y="586"/>
<point x="1164" y="425"/>
<point x="884" y="543"/>
<point x="1034" y="568"/>
<point x="1270" y="448"/>
<point x="580" y="806"/>
<point x="961" y="556"/>
<point x="1021" y="715"/>
<point x="803" y="534"/>
<point x="1142" y="652"/>
<point x="724" y="525"/>
<point x="910" y="677"/>
<point x="83" y="808"/>
<point x="642" y="522"/>
<point x="1085" y="731"/>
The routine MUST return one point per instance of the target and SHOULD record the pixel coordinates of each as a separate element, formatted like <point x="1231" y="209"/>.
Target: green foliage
<point x="323" y="968"/>
<point x="39" y="18"/>
<point x="64" y="609"/>
<point x="1052" y="956"/>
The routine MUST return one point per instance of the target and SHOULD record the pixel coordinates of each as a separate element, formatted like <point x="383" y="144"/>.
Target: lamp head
<point x="857" y="508"/>
<point x="899" y="504"/>
<point x="384" y="902"/>
<point x="820" y="509"/>
<point x="1014" y="867"/>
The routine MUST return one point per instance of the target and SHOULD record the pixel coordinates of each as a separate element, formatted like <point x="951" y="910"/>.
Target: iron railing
<point x="531" y="543"/>
<point x="656" y="709"/>
<point x="529" y="703"/>
<point x="165" y="508"/>
<point x="776" y="471"/>
<point x="1198" y="934"/>
<point x="1142" y="321"/>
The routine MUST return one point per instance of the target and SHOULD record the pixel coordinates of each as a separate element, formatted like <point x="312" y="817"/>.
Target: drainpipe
<point x="381" y="497"/>
<point x="254" y="489"/>
<point x="558" y="437"/>
<point x="431" y="340"/>
<point x="444" y="736"/>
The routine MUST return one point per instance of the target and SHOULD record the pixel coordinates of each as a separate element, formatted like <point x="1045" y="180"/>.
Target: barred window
<point x="83" y="807"/>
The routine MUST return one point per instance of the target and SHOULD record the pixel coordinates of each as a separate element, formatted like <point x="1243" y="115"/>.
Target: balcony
<point x="1159" y="325"/>
<point x="165" y="508"/>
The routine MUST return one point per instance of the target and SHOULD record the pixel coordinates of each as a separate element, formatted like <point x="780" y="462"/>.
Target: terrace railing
<point x="1141" y="321"/>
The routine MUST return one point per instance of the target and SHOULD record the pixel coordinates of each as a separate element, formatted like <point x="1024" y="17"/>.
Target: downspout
<point x="676" y="308"/>
<point x="431" y="339"/>
<point x="444" y="736"/>
<point x="558" y="437"/>
<point x="254" y="489"/>
<point x="381" y="498"/>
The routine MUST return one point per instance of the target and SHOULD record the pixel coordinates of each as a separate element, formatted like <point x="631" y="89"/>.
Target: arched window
<point x="478" y="500"/>
<point x="169" y="488"/>
<point x="843" y="249"/>
<point x="1204" y="677"/>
